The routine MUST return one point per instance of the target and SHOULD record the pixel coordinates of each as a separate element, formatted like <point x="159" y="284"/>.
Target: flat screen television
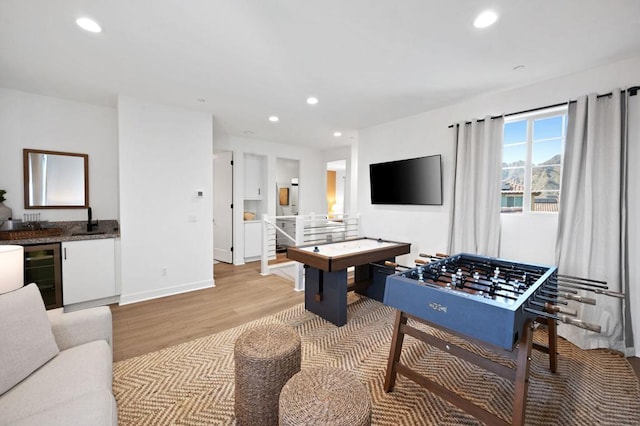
<point x="411" y="181"/>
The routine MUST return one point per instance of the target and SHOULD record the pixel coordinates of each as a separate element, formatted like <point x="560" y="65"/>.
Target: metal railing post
<point x="299" y="268"/>
<point x="264" y="256"/>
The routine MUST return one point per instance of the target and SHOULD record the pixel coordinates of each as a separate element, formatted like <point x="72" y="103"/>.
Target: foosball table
<point x="491" y="302"/>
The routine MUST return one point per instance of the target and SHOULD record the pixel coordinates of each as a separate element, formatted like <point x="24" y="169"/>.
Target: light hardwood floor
<point x="241" y="294"/>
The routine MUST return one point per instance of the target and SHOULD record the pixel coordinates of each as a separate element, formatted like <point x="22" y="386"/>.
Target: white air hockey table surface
<point x="340" y="255"/>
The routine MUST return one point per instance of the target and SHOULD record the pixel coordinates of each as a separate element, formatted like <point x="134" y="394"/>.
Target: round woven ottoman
<point x="325" y="396"/>
<point x="265" y="358"/>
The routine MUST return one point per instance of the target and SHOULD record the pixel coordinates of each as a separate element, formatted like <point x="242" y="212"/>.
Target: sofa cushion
<point x="95" y="408"/>
<point x="73" y="373"/>
<point x="26" y="340"/>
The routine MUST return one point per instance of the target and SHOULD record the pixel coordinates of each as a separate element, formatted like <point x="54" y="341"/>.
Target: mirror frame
<point x="25" y="165"/>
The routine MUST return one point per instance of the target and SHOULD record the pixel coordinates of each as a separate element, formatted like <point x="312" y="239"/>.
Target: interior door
<point x="223" y="207"/>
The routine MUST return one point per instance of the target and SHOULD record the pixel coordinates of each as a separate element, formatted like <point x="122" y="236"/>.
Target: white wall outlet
<point x="193" y="218"/>
<point x="163" y="272"/>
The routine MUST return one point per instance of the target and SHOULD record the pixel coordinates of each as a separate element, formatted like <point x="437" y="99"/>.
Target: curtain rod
<point x="632" y="92"/>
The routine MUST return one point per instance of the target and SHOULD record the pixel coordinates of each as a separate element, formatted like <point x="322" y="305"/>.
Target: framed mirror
<point x="55" y="180"/>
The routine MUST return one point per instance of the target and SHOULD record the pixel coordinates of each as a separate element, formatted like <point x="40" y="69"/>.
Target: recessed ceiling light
<point x="88" y="24"/>
<point x="247" y="132"/>
<point x="485" y="19"/>
<point x="337" y="134"/>
<point x="312" y="100"/>
<point x="274" y="119"/>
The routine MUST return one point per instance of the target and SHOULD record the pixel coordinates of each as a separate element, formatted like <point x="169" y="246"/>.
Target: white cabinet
<point x="252" y="239"/>
<point x="88" y="270"/>
<point x="253" y="177"/>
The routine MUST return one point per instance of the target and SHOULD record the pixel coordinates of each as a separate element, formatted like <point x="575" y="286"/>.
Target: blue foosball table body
<point x="471" y="310"/>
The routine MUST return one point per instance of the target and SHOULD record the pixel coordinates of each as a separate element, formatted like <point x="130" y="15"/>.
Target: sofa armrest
<point x="79" y="327"/>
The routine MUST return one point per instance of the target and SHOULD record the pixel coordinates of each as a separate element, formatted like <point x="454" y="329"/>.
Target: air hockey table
<point x="326" y="272"/>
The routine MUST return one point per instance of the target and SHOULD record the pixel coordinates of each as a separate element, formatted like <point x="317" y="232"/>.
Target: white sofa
<point x="55" y="367"/>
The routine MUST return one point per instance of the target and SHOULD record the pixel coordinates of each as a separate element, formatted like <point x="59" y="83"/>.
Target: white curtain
<point x="475" y="214"/>
<point x="592" y="222"/>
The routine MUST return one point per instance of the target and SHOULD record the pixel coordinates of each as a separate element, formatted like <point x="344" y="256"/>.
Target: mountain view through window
<point x="532" y="162"/>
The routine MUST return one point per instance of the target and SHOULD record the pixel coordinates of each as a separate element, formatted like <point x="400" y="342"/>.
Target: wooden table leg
<point x="552" y="329"/>
<point x="395" y="351"/>
<point x="522" y="374"/>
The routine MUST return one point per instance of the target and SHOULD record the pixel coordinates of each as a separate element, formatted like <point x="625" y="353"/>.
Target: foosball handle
<point x="390" y="264"/>
<point x="555" y="309"/>
<point x="421" y="261"/>
<point x="609" y="293"/>
<point x="581" y="299"/>
<point x="437" y="256"/>
<point x="579" y="323"/>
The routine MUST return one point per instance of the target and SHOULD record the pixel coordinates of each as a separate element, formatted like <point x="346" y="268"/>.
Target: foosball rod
<point x="467" y="270"/>
<point x="484" y="267"/>
<point x="569" y="296"/>
<point x="504" y="265"/>
<point x="585" y="282"/>
<point x="566" y="293"/>
<point x="436" y="278"/>
<point x="551" y="299"/>
<point x="566" y="319"/>
<point x="394" y="265"/>
<point x="552" y="308"/>
<point x="505" y="273"/>
<point x="604" y="283"/>
<point x="486" y="282"/>
<point x="562" y="280"/>
<point x="422" y="262"/>
<point x="592" y="289"/>
<point x="434" y="256"/>
<point x="570" y="285"/>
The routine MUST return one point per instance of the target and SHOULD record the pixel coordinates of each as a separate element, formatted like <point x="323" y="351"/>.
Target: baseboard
<point x="91" y="304"/>
<point x="126" y="299"/>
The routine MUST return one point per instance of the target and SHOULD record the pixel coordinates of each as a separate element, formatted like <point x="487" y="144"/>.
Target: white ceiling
<point x="368" y="61"/>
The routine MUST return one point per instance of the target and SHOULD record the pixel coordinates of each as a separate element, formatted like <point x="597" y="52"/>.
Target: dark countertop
<point x="104" y="229"/>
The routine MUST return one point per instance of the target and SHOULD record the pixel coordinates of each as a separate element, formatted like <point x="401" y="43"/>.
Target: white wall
<point x="41" y="122"/>
<point x="311" y="186"/>
<point x="165" y="157"/>
<point x="525" y="237"/>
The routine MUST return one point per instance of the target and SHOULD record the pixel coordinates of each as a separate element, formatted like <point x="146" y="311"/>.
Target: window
<point x="533" y="146"/>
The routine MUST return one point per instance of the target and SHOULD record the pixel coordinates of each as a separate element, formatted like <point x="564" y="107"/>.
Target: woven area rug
<point x="192" y="383"/>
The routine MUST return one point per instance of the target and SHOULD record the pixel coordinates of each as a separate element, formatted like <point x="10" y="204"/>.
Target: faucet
<point x="90" y="224"/>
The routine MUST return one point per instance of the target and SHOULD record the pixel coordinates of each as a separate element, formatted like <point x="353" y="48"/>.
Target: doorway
<point x="287" y="201"/>
<point x="223" y="207"/>
<point x="287" y="187"/>
<point x="336" y="180"/>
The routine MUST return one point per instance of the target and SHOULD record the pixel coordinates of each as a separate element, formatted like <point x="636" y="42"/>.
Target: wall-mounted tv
<point x="411" y="181"/>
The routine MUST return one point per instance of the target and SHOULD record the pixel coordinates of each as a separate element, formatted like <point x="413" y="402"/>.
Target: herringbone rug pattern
<point x="192" y="383"/>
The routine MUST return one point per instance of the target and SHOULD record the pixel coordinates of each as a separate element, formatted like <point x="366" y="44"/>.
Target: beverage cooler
<point x="42" y="267"/>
